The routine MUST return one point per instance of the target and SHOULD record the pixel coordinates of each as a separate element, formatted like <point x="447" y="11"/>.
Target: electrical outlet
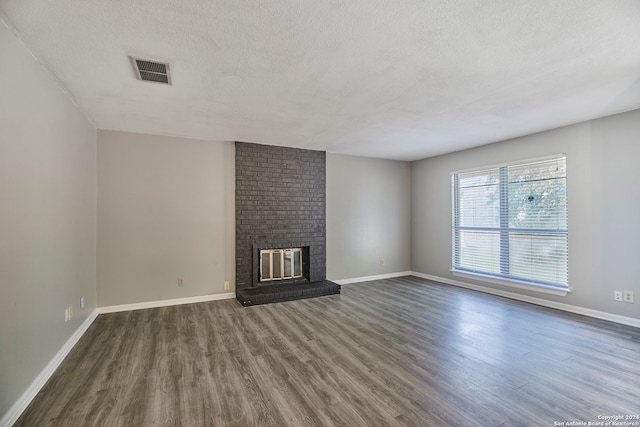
<point x="66" y="314"/>
<point x="180" y="281"/>
<point x="226" y="285"/>
<point x="382" y="262"/>
<point x="81" y="302"/>
<point x="617" y="295"/>
<point x="627" y="296"/>
<point x="70" y="312"/>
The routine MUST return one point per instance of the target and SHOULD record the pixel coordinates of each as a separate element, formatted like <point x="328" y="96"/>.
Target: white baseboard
<point x="630" y="321"/>
<point x="21" y="404"/>
<point x="165" y="303"/>
<point x="370" y="278"/>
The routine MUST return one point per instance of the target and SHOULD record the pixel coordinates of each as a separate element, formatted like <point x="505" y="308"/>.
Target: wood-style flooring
<point x="403" y="351"/>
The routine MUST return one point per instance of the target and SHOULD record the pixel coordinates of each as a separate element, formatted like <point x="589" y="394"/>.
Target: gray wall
<point x="368" y="216"/>
<point x="602" y="187"/>
<point x="165" y="210"/>
<point x="47" y="220"/>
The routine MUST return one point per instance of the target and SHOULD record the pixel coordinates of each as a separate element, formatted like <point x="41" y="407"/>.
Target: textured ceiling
<point x="392" y="79"/>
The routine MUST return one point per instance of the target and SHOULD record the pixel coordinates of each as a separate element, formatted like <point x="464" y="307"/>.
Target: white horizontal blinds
<point x="511" y="222"/>
<point x="537" y="214"/>
<point x="478" y="214"/>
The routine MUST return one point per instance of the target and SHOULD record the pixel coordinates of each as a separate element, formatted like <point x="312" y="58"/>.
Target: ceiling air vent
<point x="152" y="71"/>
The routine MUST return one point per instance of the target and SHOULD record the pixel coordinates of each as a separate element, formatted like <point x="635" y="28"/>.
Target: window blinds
<point x="511" y="222"/>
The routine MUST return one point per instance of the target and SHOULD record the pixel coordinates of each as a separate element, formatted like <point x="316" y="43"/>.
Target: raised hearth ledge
<point x="267" y="294"/>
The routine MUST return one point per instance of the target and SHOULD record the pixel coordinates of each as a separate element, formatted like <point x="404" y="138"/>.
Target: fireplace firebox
<point x="280" y="264"/>
<point x="274" y="266"/>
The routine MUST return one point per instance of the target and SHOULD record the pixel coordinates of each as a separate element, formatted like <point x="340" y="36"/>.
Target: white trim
<point x="630" y="321"/>
<point x="21" y="404"/>
<point x="545" y="289"/>
<point x="165" y="303"/>
<point x="370" y="278"/>
<point x="512" y="163"/>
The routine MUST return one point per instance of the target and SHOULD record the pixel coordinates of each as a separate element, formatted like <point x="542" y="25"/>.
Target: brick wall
<point x="280" y="203"/>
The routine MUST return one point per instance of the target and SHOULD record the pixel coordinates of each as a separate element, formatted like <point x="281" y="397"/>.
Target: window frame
<point x="504" y="277"/>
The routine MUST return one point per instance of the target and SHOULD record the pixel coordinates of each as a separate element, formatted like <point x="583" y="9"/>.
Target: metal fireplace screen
<point x="280" y="264"/>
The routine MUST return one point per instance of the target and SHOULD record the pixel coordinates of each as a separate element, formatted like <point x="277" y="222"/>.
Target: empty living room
<point x="302" y="213"/>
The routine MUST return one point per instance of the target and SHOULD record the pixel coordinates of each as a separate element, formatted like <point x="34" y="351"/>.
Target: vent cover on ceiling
<point x="151" y="71"/>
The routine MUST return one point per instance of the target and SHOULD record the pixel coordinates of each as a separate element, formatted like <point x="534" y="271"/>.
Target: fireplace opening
<point x="280" y="264"/>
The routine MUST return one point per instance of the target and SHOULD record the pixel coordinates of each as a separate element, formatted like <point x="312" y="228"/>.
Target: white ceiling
<point x="403" y="79"/>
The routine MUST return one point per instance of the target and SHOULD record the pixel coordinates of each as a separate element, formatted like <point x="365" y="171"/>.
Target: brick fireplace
<point x="280" y="204"/>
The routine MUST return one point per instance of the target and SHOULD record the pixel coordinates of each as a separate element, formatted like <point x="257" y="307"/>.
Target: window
<point x="510" y="223"/>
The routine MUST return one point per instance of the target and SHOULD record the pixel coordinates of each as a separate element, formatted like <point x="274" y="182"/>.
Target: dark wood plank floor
<point x="392" y="352"/>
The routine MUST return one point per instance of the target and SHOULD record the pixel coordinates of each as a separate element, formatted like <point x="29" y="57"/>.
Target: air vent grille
<point x="152" y="71"/>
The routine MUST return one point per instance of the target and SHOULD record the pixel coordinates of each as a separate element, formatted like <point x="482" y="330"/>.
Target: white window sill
<point x="545" y="289"/>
